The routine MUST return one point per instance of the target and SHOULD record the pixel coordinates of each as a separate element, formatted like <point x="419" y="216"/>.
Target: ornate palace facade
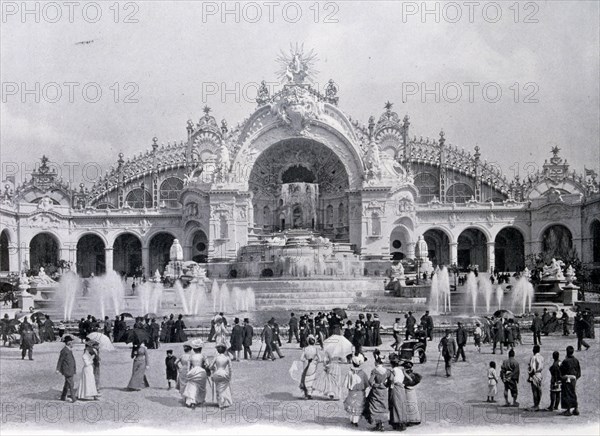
<point x="300" y="161"/>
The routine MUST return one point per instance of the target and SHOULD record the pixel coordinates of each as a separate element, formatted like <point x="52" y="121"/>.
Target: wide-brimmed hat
<point x="196" y="343"/>
<point x="67" y="338"/>
<point x="406" y="363"/>
<point x="246" y="319"/>
<point x="358" y="359"/>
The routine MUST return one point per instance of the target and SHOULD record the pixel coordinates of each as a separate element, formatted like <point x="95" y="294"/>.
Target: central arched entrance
<point x="91" y="257"/>
<point x="160" y="248"/>
<point x="509" y="250"/>
<point x="127" y="255"/>
<point x="472" y="250"/>
<point x="438" y="246"/>
<point x="302" y="184"/>
<point x="44" y="251"/>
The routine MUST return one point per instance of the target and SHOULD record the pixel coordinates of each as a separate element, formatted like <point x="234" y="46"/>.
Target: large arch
<point x="438" y="245"/>
<point x="472" y="249"/>
<point x="509" y="250"/>
<point x="595" y="232"/>
<point x="91" y="257"/>
<point x="332" y="129"/>
<point x="44" y="251"/>
<point x="557" y="242"/>
<point x="127" y="254"/>
<point x="159" y="250"/>
<point x="4" y="251"/>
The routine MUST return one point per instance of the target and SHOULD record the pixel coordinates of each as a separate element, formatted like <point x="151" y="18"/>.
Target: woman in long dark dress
<point x="179" y="330"/>
<point x="140" y="365"/>
<point x="369" y="331"/>
<point x="237" y="339"/>
<point x="397" y="395"/>
<point x="376" y="331"/>
<point x="377" y="401"/>
<point x="570" y="372"/>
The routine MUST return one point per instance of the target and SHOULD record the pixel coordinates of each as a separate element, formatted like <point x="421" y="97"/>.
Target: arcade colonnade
<point x="132" y="253"/>
<point x="127" y="252"/>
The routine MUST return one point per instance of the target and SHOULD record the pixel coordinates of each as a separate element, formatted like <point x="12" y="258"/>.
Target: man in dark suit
<point x="276" y="339"/>
<point x="67" y="367"/>
<point x="410" y="326"/>
<point x="247" y="334"/>
<point x="293" y="330"/>
<point x="536" y="328"/>
<point x="461" y="341"/>
<point x="155" y="333"/>
<point x="267" y="337"/>
<point x="447" y="348"/>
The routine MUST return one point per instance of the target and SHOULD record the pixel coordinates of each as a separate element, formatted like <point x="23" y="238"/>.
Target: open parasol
<point x="103" y="340"/>
<point x="337" y="346"/>
<point x="340" y="312"/>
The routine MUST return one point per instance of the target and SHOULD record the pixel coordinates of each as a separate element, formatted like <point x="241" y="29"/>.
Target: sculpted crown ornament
<point x="297" y="66"/>
<point x="296" y="107"/>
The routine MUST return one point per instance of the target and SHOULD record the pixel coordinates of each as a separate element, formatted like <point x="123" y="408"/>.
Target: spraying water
<point x="444" y="286"/>
<point x="472" y="289"/>
<point x="486" y="288"/>
<point x="499" y="296"/>
<point x="69" y="284"/>
<point x="522" y="295"/>
<point x="107" y="293"/>
<point x="180" y="292"/>
<point x="434" y="295"/>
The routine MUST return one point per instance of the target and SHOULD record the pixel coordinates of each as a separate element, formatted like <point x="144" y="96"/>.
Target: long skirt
<point x="87" y="385"/>
<point x="397" y="403"/>
<point x="195" y="388"/>
<point x="181" y="380"/>
<point x="138" y="376"/>
<point x="354" y="403"/>
<point x="413" y="415"/>
<point x="329" y="381"/>
<point x="309" y="376"/>
<point x="568" y="398"/>
<point x="377" y="405"/>
<point x="222" y="385"/>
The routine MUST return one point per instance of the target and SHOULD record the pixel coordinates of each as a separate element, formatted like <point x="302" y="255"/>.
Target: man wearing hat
<point x="293" y="329"/>
<point x="247" y="334"/>
<point x="396" y="329"/>
<point x="276" y="339"/>
<point x="448" y="349"/>
<point x="67" y="367"/>
<point x="267" y="337"/>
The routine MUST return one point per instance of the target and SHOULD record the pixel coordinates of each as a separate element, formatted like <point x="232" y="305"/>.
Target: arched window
<point x="169" y="191"/>
<point x="341" y="214"/>
<point x="139" y="198"/>
<point x="329" y="216"/>
<point x="459" y="193"/>
<point x="266" y="216"/>
<point x="428" y="186"/>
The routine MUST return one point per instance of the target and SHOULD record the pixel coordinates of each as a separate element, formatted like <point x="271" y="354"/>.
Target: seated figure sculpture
<point x="553" y="271"/>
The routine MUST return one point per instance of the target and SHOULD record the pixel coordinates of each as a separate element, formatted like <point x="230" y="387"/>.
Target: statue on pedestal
<point x="176" y="252"/>
<point x="553" y="271"/>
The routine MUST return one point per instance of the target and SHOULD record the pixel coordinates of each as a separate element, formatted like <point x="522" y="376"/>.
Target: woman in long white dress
<point x="183" y="365"/>
<point x="221" y="333"/>
<point x="310" y="357"/>
<point x="221" y="376"/>
<point x="329" y="381"/>
<point x="87" y="385"/>
<point x="194" y="392"/>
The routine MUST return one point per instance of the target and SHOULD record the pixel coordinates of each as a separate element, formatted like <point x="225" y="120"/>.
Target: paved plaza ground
<point x="265" y="394"/>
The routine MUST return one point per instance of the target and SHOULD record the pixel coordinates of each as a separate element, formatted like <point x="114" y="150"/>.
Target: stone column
<point x="108" y="258"/>
<point x="146" y="262"/>
<point x="453" y="253"/>
<point x="491" y="256"/>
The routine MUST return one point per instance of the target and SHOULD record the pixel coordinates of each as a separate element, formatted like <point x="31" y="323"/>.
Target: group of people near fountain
<point x="26" y="333"/>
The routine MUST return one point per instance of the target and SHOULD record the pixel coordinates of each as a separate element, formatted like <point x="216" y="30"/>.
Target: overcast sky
<point x="176" y="56"/>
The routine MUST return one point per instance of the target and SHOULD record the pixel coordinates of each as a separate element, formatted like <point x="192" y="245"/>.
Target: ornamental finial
<point x="388" y="106"/>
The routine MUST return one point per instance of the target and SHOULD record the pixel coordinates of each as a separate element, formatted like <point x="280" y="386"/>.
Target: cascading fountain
<point x="107" y="292"/>
<point x="69" y="284"/>
<point x="151" y="294"/>
<point x="522" y="295"/>
<point x="499" y="296"/>
<point x="486" y="289"/>
<point x="472" y="290"/>
<point x="434" y="295"/>
<point x="440" y="291"/>
<point x="444" y="286"/>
